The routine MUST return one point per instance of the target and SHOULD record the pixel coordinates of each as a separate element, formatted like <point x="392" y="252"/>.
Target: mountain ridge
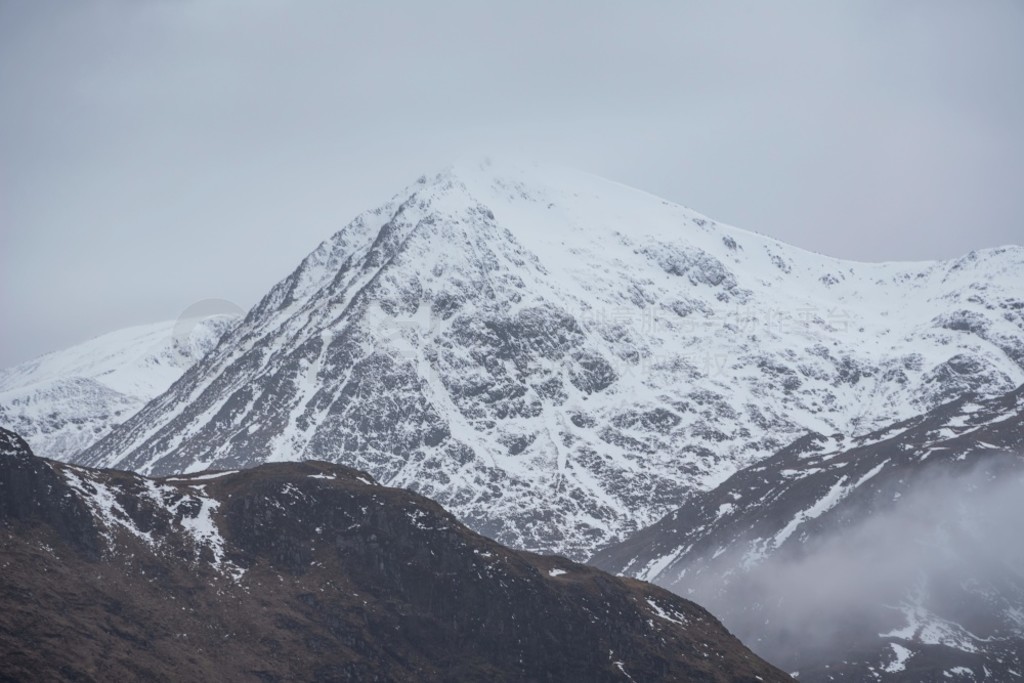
<point x="891" y="556"/>
<point x="561" y="360"/>
<point x="311" y="571"/>
<point x="65" y="400"/>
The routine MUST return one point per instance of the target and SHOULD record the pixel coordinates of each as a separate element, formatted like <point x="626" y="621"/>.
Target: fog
<point x="950" y="548"/>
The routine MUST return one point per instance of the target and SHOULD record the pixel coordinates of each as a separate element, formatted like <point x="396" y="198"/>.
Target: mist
<point x="947" y="547"/>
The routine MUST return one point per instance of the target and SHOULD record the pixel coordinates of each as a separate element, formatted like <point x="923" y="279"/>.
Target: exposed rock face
<point x="311" y="571"/>
<point x="30" y="489"/>
<point x="561" y="360"/>
<point x="63" y="402"/>
<point x="895" y="556"/>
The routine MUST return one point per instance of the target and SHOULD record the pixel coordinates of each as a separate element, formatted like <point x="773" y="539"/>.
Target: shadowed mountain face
<point x="310" y="571"/>
<point x="560" y="360"/>
<point x="896" y="556"/>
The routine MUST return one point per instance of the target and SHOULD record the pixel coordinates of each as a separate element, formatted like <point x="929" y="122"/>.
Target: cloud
<point x="949" y="547"/>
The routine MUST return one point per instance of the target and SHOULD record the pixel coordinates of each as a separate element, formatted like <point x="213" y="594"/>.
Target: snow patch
<point x="669" y="615"/>
<point x="900" y="657"/>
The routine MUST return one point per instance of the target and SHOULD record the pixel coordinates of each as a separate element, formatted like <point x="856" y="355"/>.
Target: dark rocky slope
<point x="310" y="571"/>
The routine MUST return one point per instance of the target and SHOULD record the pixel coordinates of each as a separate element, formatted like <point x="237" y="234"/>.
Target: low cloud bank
<point x="947" y="554"/>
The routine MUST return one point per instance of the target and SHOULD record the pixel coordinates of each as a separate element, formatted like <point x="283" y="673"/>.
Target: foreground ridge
<point x="311" y="571"/>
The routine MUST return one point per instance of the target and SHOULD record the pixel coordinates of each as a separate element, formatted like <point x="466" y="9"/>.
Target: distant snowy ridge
<point x="560" y="359"/>
<point x="893" y="556"/>
<point x="64" y="401"/>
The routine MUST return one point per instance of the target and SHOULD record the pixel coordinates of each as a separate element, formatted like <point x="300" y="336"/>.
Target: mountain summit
<point x="560" y="359"/>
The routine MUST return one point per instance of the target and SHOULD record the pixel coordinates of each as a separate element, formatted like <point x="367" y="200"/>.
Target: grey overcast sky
<point x="155" y="153"/>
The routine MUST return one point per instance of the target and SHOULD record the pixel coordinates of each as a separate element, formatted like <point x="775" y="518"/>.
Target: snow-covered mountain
<point x="894" y="556"/>
<point x="64" y="401"/>
<point x="311" y="572"/>
<point x="560" y="359"/>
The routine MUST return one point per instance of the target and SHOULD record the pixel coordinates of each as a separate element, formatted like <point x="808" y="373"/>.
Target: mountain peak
<point x="560" y="359"/>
